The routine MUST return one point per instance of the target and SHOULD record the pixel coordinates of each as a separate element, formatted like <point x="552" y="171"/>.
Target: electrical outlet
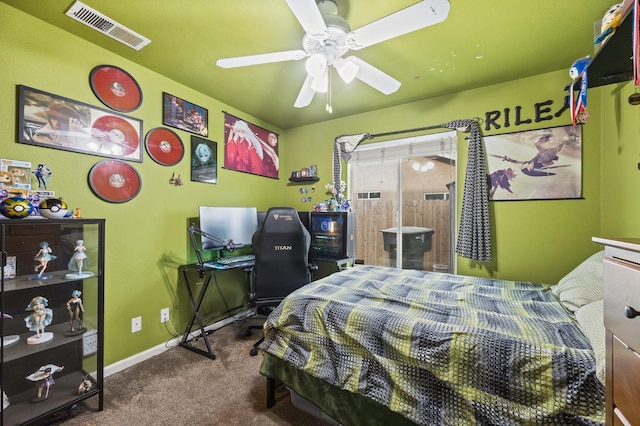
<point x="136" y="324"/>
<point x="164" y="315"/>
<point x="89" y="344"/>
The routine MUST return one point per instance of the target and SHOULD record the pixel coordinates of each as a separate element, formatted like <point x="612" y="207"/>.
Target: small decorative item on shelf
<point x="74" y="306"/>
<point x="10" y="339"/>
<point x="310" y="173"/>
<point x="79" y="260"/>
<point x="41" y="317"/>
<point x="610" y="21"/>
<point x="43" y="257"/>
<point x="9" y="270"/>
<point x="337" y="203"/>
<point x="53" y="208"/>
<point x="85" y="386"/>
<point x="44" y="379"/>
<point x="16" y="208"/>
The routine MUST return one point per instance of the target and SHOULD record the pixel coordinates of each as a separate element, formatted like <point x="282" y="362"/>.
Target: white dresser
<point x="622" y="322"/>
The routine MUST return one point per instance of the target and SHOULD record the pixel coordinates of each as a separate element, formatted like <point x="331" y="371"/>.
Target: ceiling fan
<point x="328" y="37"/>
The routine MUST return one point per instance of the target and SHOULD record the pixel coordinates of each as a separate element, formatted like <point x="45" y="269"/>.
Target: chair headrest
<point x="281" y="219"/>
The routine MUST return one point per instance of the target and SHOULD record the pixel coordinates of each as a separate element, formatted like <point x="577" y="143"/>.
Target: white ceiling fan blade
<point x="308" y="14"/>
<point x="264" y="58"/>
<point x="412" y="18"/>
<point x="306" y="94"/>
<point x="374" y="77"/>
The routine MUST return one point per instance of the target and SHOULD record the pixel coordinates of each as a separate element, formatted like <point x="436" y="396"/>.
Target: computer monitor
<point x="237" y="224"/>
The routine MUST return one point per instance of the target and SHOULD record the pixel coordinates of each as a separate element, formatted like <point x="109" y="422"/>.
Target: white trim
<point x="123" y="364"/>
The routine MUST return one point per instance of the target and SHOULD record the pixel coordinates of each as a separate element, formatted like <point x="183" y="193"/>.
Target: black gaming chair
<point x="281" y="248"/>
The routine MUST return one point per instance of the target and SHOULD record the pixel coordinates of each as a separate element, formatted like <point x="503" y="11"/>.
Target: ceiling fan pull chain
<point x="328" y="108"/>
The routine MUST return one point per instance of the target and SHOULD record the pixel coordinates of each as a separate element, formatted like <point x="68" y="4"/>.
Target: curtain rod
<point x="417" y="129"/>
<point x="396" y="132"/>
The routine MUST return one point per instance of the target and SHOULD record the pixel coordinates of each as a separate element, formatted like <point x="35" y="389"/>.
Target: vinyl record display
<point x="164" y="146"/>
<point x="114" y="181"/>
<point x="115" y="88"/>
<point x="116" y="135"/>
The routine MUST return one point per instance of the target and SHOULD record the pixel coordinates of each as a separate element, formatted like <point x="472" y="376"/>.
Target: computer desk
<point x="209" y="273"/>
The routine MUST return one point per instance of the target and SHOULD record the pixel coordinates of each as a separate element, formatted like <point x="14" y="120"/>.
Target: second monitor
<point x="228" y="224"/>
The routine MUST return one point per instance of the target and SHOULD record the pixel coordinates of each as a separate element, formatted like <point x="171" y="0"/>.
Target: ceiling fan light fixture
<point x="321" y="83"/>
<point x="346" y="70"/>
<point x="316" y="65"/>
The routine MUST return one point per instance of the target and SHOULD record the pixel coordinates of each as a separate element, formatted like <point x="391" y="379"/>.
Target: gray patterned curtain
<point x="474" y="234"/>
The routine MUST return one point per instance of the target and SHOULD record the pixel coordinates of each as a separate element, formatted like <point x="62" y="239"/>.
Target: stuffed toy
<point x="578" y="72"/>
<point x="579" y="67"/>
<point x="610" y="22"/>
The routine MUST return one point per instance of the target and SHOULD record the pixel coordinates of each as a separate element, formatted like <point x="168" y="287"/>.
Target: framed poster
<point x="544" y="164"/>
<point x="184" y="115"/>
<point x="249" y="148"/>
<point x="54" y="121"/>
<point x="204" y="160"/>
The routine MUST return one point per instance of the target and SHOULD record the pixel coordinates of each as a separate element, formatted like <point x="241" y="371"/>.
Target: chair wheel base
<point x="253" y="352"/>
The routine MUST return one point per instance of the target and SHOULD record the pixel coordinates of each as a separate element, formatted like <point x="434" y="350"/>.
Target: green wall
<point x="533" y="240"/>
<point x="620" y="170"/>
<point x="147" y="238"/>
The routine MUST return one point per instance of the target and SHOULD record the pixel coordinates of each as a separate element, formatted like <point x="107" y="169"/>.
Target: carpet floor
<point x="180" y="387"/>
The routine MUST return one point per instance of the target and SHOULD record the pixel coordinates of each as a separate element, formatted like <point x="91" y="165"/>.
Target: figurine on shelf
<point x="12" y="338"/>
<point x="78" y="261"/>
<point x="85" y="386"/>
<point x="38" y="320"/>
<point x="74" y="306"/>
<point x="44" y="379"/>
<point x="43" y="257"/>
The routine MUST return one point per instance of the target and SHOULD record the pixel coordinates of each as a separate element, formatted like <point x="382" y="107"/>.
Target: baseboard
<point x="123" y="364"/>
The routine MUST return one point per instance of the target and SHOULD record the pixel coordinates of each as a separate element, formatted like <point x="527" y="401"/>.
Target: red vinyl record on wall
<point x="116" y="135"/>
<point x="114" y="181"/>
<point x="115" y="88"/>
<point x="164" y="146"/>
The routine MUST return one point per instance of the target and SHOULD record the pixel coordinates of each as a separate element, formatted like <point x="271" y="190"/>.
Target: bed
<point x="375" y="345"/>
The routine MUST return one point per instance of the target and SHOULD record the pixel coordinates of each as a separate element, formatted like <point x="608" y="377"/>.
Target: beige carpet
<point x="180" y="387"/>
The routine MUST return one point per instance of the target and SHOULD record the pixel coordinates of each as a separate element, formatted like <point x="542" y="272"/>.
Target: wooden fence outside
<point x="372" y="216"/>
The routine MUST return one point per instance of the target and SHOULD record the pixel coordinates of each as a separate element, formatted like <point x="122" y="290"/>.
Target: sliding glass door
<point x="403" y="194"/>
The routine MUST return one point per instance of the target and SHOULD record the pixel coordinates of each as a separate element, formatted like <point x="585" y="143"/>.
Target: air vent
<point x="96" y="20"/>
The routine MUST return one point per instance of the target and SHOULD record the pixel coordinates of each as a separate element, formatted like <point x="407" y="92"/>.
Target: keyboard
<point x="234" y="260"/>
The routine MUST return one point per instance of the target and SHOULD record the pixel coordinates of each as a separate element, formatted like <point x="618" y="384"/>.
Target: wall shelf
<point x="306" y="179"/>
<point x="613" y="63"/>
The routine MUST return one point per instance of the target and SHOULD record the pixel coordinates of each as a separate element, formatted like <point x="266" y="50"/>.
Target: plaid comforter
<point x="442" y="349"/>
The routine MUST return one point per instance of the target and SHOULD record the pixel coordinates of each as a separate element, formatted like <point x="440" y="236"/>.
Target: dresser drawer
<point x="626" y="382"/>
<point x="622" y="292"/>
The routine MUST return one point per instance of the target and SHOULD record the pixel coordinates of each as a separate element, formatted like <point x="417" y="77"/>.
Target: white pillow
<point x="583" y="285"/>
<point x="591" y="321"/>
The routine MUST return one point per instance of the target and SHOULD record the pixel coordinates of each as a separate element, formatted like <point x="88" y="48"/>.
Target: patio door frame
<point x="435" y="144"/>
